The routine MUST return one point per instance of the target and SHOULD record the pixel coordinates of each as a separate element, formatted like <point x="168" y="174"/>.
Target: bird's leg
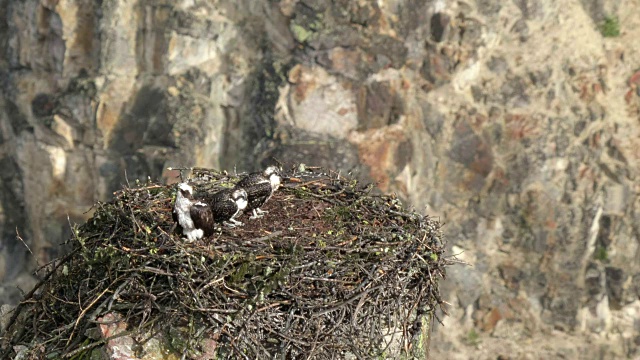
<point x="236" y="222"/>
<point x="233" y="223"/>
<point x="257" y="213"/>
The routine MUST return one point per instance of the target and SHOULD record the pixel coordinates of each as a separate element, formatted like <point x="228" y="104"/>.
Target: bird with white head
<point x="260" y="186"/>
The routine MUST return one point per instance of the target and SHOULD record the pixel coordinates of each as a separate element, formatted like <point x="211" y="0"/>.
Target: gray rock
<point x="471" y="110"/>
<point x="5" y="316"/>
<point x="468" y="282"/>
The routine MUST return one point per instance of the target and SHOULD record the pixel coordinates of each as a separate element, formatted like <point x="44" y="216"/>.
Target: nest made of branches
<point x="333" y="270"/>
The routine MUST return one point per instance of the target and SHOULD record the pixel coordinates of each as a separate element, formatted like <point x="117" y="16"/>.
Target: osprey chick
<point x="198" y="217"/>
<point x="222" y="206"/>
<point x="260" y="186"/>
<point x="182" y="212"/>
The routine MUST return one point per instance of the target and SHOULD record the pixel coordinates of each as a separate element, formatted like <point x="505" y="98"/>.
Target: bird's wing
<point x="174" y="215"/>
<point x="258" y="194"/>
<point x="251" y="180"/>
<point x="222" y="206"/>
<point x="202" y="217"/>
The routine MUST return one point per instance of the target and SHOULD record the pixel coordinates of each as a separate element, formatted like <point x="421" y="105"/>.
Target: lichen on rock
<point x="334" y="270"/>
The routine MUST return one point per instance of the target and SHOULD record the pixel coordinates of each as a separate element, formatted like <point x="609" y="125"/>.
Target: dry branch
<point x="333" y="269"/>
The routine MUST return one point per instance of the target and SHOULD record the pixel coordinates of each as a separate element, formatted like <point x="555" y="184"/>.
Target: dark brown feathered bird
<point x="222" y="206"/>
<point x="197" y="217"/>
<point x="259" y="187"/>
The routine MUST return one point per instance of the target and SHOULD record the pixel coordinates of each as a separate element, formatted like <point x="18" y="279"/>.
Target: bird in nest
<point x="223" y="206"/>
<point x="197" y="217"/>
<point x="259" y="187"/>
<point x="182" y="212"/>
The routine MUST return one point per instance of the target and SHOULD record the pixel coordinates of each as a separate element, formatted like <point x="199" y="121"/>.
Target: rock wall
<point x="516" y="122"/>
<point x="98" y="94"/>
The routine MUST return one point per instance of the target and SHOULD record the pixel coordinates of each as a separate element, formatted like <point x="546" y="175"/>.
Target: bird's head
<point x="273" y="173"/>
<point x="185" y="190"/>
<point x="272" y="170"/>
<point x="240" y="197"/>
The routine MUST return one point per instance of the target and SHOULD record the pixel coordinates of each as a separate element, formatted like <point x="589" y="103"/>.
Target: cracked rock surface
<point x="516" y="122"/>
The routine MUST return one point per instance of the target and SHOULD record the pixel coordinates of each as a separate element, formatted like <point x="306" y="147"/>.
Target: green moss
<point x="301" y="192"/>
<point x="601" y="253"/>
<point x="473" y="338"/>
<point x="343" y="212"/>
<point x="300" y="33"/>
<point x="338" y="215"/>
<point x="610" y="27"/>
<point x="83" y="354"/>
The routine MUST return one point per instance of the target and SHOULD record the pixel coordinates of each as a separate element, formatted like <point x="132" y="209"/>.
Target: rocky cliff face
<point x="516" y="122"/>
<point x="95" y="94"/>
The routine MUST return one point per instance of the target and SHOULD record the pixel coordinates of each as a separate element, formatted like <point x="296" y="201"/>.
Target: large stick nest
<point x="332" y="269"/>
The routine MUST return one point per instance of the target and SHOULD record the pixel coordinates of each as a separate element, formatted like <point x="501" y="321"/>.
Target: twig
<point x="84" y="311"/>
<point x="29" y="295"/>
<point x="27" y="246"/>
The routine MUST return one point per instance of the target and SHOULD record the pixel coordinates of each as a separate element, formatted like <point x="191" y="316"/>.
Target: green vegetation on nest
<point x="332" y="269"/>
